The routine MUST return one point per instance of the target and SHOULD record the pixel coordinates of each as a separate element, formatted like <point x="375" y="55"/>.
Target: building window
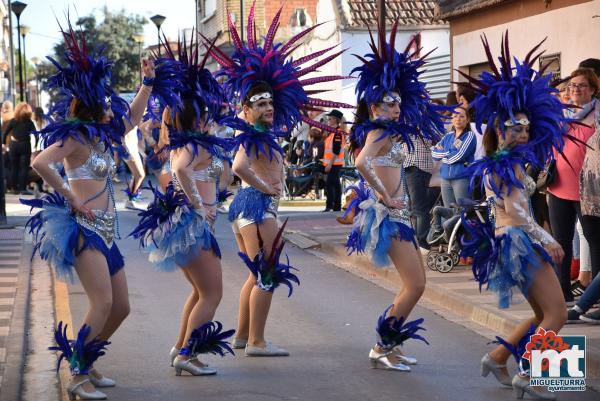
<point x="300" y="20"/>
<point x="210" y="6"/>
<point x="552" y="63"/>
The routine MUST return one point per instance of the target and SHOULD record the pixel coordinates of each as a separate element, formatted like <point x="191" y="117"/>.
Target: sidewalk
<point x="455" y="291"/>
<point x="14" y="299"/>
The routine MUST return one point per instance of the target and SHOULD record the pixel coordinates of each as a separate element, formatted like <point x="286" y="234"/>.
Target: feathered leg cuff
<point x="392" y="331"/>
<point x="80" y="354"/>
<point x="208" y="339"/>
<point x="517" y="350"/>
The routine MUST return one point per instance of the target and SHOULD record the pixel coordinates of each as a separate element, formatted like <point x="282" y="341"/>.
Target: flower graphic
<point x="544" y="340"/>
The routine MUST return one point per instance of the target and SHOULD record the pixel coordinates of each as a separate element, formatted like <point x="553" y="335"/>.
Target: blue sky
<point x="40" y="17"/>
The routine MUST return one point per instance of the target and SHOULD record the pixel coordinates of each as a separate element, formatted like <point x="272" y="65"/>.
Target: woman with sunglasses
<point x="389" y="115"/>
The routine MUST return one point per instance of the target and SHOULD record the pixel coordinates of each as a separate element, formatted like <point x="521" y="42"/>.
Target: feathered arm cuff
<point x="269" y="272"/>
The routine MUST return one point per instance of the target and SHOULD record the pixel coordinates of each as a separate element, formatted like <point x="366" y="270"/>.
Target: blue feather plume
<point x="80" y="130"/>
<point x="362" y="193"/>
<point x="254" y="140"/>
<point x="223" y="195"/>
<point x="210" y="339"/>
<point x="509" y="89"/>
<point x="80" y="354"/>
<point x="393" y="331"/>
<point x="498" y="170"/>
<point x="269" y="272"/>
<point x="214" y="145"/>
<point x="386" y="70"/>
<point x="517" y="350"/>
<point x="158" y="212"/>
<point x="479" y="243"/>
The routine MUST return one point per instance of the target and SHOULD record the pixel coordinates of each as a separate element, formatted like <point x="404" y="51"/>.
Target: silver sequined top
<point x="98" y="166"/>
<point x="394" y="158"/>
<point x="211" y="173"/>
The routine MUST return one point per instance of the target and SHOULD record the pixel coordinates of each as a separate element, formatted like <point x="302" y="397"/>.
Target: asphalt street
<point x="327" y="325"/>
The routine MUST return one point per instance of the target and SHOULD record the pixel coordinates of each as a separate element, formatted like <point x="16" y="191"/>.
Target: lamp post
<point x="139" y="39"/>
<point x="24" y="31"/>
<point x="17" y="8"/>
<point x="36" y="63"/>
<point x="158" y="20"/>
<point x="381" y="21"/>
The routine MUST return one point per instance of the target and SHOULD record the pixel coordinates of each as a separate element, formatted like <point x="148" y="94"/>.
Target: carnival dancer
<point x="78" y="224"/>
<point x="177" y="227"/>
<point x="509" y="249"/>
<point x="267" y="81"/>
<point x="393" y="108"/>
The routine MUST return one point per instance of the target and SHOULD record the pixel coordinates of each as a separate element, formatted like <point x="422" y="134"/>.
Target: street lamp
<point x="17" y="8"/>
<point x="24" y="30"/>
<point x="139" y="39"/>
<point x="158" y="20"/>
<point x="36" y="63"/>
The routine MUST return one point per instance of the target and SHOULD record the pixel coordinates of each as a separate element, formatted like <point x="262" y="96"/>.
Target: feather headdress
<point x="386" y="70"/>
<point x="272" y="63"/>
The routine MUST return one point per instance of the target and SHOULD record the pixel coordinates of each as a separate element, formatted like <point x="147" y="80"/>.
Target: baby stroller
<point x="444" y="253"/>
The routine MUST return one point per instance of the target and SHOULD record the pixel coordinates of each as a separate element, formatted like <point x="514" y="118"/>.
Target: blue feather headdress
<point x="267" y="269"/>
<point x="272" y="63"/>
<point x="80" y="354"/>
<point x="384" y="71"/>
<point x="392" y="331"/>
<point x="509" y="89"/>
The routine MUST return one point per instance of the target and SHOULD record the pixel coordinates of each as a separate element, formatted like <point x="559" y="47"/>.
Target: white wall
<point x="571" y="31"/>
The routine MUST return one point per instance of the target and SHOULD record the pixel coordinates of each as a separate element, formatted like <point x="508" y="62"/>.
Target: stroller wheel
<point x="455" y="258"/>
<point x="444" y="263"/>
<point x="430" y="261"/>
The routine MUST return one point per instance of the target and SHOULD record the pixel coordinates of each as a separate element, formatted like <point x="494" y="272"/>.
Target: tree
<point x="114" y="36"/>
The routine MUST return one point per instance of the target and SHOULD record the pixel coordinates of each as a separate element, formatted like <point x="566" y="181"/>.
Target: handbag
<point x="547" y="176"/>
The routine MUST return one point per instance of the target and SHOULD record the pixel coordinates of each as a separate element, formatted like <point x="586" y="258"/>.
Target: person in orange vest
<point x="333" y="161"/>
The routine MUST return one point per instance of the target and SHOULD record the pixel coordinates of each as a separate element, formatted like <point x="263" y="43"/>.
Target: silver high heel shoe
<point x="195" y="370"/>
<point x="75" y="390"/>
<point x="239" y="343"/>
<point x="521" y="386"/>
<point x="381" y="361"/>
<point x="407" y="360"/>
<point x="489" y="365"/>
<point x="173" y="354"/>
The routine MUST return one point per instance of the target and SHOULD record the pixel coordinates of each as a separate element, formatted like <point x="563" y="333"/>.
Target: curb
<point x="483" y="315"/>
<point x="12" y="382"/>
<point x="300" y="203"/>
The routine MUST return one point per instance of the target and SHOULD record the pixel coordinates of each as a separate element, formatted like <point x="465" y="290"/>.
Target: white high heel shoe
<point x="489" y="365"/>
<point x="173" y="354"/>
<point x="75" y="390"/>
<point x="521" y="386"/>
<point x="381" y="361"/>
<point x="103" y="382"/>
<point x="190" y="367"/>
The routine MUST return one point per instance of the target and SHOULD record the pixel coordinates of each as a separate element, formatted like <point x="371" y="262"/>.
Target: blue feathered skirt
<point x="251" y="204"/>
<point x="374" y="228"/>
<point x="504" y="261"/>
<point x="179" y="239"/>
<point x="57" y="234"/>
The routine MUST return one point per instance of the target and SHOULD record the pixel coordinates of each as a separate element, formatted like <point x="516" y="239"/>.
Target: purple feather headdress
<point x="272" y="63"/>
<point x="384" y="71"/>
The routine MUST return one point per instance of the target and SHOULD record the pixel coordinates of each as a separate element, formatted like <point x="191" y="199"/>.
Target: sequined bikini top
<point x="393" y="158"/>
<point x="98" y="166"/>
<point x="210" y="173"/>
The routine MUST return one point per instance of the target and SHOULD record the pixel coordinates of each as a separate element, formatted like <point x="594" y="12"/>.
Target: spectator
<point x="19" y="129"/>
<point x="418" y="166"/>
<point x="6" y="114"/>
<point x="452" y="101"/>
<point x="465" y="98"/>
<point x="456" y="151"/>
<point x="594" y="64"/>
<point x="564" y="193"/>
<point x="564" y="92"/>
<point x="333" y="161"/>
